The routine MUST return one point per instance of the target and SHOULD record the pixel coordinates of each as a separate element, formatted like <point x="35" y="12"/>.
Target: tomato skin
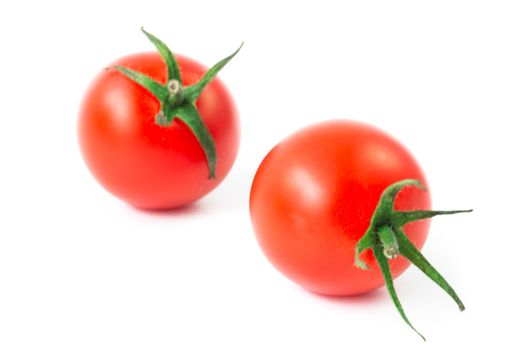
<point x="313" y="196"/>
<point x="147" y="165"/>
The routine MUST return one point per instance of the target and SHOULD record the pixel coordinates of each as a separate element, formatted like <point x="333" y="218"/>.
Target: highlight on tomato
<point x="159" y="130"/>
<point x="340" y="208"/>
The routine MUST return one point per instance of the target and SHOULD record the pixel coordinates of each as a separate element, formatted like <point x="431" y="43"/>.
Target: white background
<point x="81" y="270"/>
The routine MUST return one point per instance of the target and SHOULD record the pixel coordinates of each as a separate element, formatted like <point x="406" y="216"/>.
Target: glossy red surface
<point x="314" y="194"/>
<point x="144" y="164"/>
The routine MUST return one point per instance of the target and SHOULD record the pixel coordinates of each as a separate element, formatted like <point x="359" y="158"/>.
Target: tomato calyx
<point x="387" y="240"/>
<point x="177" y="101"/>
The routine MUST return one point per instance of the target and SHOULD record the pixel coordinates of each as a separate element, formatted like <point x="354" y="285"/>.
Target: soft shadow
<point x="230" y="195"/>
<point x="186" y="210"/>
<point x="374" y="296"/>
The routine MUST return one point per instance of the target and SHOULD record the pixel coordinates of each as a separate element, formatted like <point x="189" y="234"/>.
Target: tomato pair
<point x="337" y="207"/>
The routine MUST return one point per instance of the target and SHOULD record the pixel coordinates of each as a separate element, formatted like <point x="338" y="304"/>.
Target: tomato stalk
<point x="387" y="240"/>
<point x="177" y="101"/>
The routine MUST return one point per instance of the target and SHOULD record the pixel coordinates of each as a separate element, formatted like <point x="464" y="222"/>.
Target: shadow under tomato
<point x="186" y="210"/>
<point x="373" y="296"/>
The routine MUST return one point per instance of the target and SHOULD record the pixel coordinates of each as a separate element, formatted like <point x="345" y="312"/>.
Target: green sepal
<point x="367" y="241"/>
<point x="404" y="217"/>
<point x="177" y="101"/>
<point x="377" y="249"/>
<point x="386" y="238"/>
<point x="173" y="71"/>
<point x="192" y="92"/>
<point x="412" y="254"/>
<point x="385" y="205"/>
<point x="151" y="85"/>
<point x="189" y="115"/>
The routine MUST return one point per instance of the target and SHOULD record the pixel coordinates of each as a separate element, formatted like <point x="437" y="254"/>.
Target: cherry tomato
<point x="313" y="197"/>
<point x="146" y="164"/>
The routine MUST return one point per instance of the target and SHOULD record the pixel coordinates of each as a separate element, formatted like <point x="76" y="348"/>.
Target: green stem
<point x="177" y="101"/>
<point x="389" y="242"/>
<point x="175" y="89"/>
<point x="386" y="238"/>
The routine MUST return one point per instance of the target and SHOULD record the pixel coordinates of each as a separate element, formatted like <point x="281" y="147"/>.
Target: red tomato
<point x="313" y="197"/>
<point x="148" y="165"/>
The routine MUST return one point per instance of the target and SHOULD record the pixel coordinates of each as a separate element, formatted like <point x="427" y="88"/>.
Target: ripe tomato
<point x="146" y="164"/>
<point x="313" y="197"/>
